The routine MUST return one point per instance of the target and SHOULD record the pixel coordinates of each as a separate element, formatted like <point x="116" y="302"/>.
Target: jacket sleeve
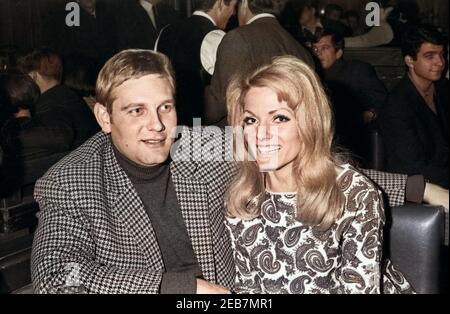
<point x="63" y="256"/>
<point x="392" y="184"/>
<point x="362" y="245"/>
<point x="405" y="145"/>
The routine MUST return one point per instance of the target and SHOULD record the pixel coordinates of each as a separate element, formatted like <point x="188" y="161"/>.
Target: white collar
<point x="260" y="16"/>
<point x="145" y="4"/>
<point x="206" y="15"/>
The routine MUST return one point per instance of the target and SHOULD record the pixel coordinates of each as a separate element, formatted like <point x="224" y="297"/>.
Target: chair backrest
<point x="376" y="161"/>
<point x="415" y="244"/>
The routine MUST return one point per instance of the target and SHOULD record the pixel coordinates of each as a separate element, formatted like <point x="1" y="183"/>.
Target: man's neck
<point x="47" y="86"/>
<point x="424" y="86"/>
<point x="214" y="15"/>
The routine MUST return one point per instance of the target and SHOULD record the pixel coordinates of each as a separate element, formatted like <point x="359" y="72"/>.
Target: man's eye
<point x="136" y="111"/>
<point x="249" y="121"/>
<point x="165" y="108"/>
<point x="281" y="119"/>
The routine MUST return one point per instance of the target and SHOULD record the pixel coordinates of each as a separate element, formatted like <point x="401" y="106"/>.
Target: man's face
<point x="143" y="119"/>
<point x="326" y="52"/>
<point x="430" y="62"/>
<point x="226" y="13"/>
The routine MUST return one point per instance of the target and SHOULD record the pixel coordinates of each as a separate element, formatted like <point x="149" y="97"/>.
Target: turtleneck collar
<point x="141" y="174"/>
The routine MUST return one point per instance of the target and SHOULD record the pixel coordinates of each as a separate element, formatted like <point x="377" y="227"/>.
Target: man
<point x="118" y="212"/>
<point x="191" y="46"/>
<point x="139" y="22"/>
<point x="117" y="216"/>
<point x="414" y="122"/>
<point x="258" y="39"/>
<point x="355" y="90"/>
<point x="58" y="108"/>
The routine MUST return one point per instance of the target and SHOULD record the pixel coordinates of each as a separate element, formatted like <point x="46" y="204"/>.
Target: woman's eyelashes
<point x="249" y="120"/>
<point x="276" y="119"/>
<point x="281" y="118"/>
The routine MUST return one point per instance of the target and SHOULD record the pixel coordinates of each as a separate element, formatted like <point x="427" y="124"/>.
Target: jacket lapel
<point x="192" y="194"/>
<point x="125" y="204"/>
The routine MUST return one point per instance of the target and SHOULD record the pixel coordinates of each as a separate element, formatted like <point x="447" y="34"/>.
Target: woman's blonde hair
<point x="319" y="199"/>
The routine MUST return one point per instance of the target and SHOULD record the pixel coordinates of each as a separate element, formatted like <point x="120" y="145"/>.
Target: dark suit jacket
<point x="182" y="42"/>
<point x="416" y="139"/>
<point x="243" y="48"/>
<point x="354" y="88"/>
<point x="134" y="27"/>
<point x="61" y="110"/>
<point x="93" y="38"/>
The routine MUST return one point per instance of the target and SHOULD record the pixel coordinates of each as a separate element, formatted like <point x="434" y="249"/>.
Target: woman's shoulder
<point x="350" y="178"/>
<point x="361" y="194"/>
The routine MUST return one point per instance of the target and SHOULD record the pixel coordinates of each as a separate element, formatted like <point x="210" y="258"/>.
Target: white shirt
<point x="148" y="7"/>
<point x="210" y="44"/>
<point x="259" y="16"/>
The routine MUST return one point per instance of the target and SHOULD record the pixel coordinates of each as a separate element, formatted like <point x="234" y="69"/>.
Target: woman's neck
<point x="281" y="181"/>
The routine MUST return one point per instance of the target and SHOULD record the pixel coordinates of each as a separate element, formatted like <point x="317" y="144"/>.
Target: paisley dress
<point x="275" y="253"/>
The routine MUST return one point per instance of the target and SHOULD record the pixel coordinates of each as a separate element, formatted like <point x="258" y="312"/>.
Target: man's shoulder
<point x="82" y="162"/>
<point x="359" y="66"/>
<point x="204" y="152"/>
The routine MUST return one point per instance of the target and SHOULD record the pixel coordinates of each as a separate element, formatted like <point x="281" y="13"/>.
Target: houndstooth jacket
<point x="95" y="234"/>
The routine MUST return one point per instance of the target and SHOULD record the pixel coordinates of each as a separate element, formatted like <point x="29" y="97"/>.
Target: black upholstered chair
<point x="414" y="241"/>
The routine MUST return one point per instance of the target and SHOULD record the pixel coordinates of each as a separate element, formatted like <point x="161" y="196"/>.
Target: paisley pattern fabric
<point x="274" y="253"/>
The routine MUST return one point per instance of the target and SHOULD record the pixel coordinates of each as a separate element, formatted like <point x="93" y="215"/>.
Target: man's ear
<point x="339" y="54"/>
<point x="409" y="62"/>
<point x="103" y="117"/>
<point x="33" y="75"/>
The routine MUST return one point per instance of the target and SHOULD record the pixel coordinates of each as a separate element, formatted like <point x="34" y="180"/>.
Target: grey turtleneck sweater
<point x="155" y="188"/>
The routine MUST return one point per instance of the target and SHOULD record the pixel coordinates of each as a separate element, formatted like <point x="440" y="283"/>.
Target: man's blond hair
<point x="127" y="65"/>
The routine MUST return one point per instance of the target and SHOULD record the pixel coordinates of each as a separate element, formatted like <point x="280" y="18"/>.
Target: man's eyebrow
<point x="126" y="107"/>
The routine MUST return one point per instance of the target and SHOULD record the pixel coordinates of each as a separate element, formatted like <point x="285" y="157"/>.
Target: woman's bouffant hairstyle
<point x="320" y="200"/>
<point x="127" y="65"/>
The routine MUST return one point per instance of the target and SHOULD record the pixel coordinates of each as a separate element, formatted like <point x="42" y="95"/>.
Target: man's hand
<point x="205" y="287"/>
<point x="436" y="195"/>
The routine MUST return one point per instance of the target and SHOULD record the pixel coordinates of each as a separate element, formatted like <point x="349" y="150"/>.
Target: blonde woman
<point x="300" y="221"/>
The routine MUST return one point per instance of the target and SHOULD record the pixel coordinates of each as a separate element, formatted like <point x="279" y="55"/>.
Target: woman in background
<point x="300" y="220"/>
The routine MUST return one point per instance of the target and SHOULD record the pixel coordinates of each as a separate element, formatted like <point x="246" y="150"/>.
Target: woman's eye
<point x="249" y="121"/>
<point x="281" y="118"/>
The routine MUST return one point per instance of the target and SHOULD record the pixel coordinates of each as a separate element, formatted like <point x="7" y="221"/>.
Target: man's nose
<point x="154" y="122"/>
<point x="440" y="62"/>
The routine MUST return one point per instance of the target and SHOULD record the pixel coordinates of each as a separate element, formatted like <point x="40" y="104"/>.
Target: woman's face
<point x="270" y="130"/>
